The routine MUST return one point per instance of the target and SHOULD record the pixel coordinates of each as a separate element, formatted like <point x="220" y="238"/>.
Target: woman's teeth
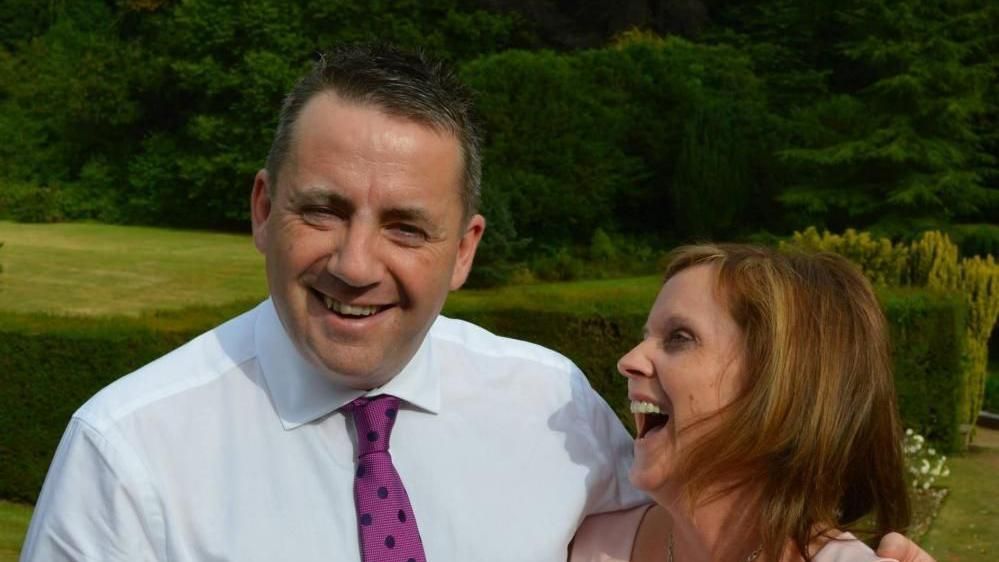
<point x="638" y="407"/>
<point x="648" y="417"/>
<point x="348" y="309"/>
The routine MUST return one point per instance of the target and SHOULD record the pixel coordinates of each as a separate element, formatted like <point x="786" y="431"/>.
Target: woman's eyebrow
<point x="672" y="321"/>
<point x="676" y="320"/>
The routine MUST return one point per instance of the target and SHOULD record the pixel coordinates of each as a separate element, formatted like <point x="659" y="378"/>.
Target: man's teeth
<point x="348" y="309"/>
<point x="638" y="407"/>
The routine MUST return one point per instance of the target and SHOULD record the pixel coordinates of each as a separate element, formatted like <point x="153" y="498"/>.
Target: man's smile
<point x="347" y="310"/>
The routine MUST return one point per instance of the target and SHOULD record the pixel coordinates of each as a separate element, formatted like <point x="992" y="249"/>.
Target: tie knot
<point x="373" y="421"/>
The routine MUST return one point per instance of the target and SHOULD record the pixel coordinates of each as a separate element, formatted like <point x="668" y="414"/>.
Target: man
<point x="242" y="444"/>
<point x="267" y="438"/>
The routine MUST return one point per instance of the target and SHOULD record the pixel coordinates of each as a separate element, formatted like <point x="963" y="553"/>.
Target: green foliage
<point x="923" y="462"/>
<point x="552" y="147"/>
<point x="650" y="137"/>
<point x="574" y="336"/>
<point x="991" y="401"/>
<point x="932" y="261"/>
<point x="50" y="365"/>
<point x="927" y="335"/>
<point x="602" y="248"/>
<point x="557" y="264"/>
<point x="29" y="203"/>
<point x="881" y="261"/>
<point x="898" y="147"/>
<point x="161" y="112"/>
<point x="976" y="239"/>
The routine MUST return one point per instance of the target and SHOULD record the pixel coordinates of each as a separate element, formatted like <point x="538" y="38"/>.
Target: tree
<point x="898" y="149"/>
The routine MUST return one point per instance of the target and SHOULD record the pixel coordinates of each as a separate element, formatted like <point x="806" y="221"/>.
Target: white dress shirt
<point x="231" y="448"/>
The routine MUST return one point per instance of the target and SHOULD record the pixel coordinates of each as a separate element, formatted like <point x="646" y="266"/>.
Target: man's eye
<point x="408" y="232"/>
<point x="318" y="215"/>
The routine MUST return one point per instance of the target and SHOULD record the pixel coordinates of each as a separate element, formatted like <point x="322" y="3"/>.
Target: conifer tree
<point x="898" y="147"/>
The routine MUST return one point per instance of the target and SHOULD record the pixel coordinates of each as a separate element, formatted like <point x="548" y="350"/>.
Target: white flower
<point x="923" y="463"/>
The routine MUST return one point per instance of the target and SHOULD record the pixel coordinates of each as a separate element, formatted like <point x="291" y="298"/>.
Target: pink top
<point x="610" y="537"/>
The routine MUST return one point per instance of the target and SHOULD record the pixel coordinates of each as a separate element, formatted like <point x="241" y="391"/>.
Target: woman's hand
<point x="899" y="547"/>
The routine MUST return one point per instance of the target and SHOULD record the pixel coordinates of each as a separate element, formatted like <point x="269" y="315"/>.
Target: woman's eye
<point x="679" y="338"/>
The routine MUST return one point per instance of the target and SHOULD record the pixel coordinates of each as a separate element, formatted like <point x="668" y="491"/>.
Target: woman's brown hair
<point x="815" y="428"/>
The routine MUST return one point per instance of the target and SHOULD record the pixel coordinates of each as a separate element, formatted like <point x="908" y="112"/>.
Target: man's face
<point x="363" y="237"/>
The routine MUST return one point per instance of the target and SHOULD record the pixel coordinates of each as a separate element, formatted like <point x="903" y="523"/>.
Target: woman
<point x="765" y="414"/>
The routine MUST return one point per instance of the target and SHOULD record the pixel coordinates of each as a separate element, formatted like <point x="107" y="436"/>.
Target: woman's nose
<point x="635" y="363"/>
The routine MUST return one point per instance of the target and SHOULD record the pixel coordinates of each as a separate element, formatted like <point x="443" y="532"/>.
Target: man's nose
<point x="354" y="259"/>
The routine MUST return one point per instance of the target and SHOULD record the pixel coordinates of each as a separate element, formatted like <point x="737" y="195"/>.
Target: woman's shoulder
<point x="607" y="537"/>
<point x="847" y="548"/>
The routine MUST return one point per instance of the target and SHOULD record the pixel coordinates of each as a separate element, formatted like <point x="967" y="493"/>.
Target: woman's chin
<point x="648" y="477"/>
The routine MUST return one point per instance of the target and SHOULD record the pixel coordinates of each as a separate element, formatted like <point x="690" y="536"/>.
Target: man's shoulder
<point x="475" y="340"/>
<point x="194" y="364"/>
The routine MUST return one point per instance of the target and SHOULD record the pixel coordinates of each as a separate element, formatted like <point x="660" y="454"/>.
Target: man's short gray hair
<point x="409" y="85"/>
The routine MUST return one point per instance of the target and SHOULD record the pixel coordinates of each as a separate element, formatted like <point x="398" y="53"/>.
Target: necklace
<point x="669" y="550"/>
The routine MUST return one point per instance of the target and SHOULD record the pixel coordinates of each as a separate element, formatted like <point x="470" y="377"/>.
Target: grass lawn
<point x="95" y="269"/>
<point x="967" y="527"/>
<point x="14" y="519"/>
<point x="85" y="269"/>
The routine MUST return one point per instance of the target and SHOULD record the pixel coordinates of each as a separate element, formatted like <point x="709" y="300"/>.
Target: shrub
<point x="927" y="337"/>
<point x="884" y="263"/>
<point x="976" y="239"/>
<point x="991" y="402"/>
<point x="575" y="337"/>
<point x="930" y="261"/>
<point x="558" y="264"/>
<point x="25" y="202"/>
<point x="922" y="462"/>
<point x="602" y="248"/>
<point x="50" y="365"/>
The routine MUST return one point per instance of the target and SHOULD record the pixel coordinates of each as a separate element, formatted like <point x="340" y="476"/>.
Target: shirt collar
<point x="301" y="392"/>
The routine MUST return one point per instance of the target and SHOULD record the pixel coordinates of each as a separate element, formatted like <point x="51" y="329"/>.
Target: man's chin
<point x="359" y="374"/>
<point x="357" y="382"/>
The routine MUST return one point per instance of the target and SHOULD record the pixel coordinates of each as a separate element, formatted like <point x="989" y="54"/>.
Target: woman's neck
<point x="724" y="529"/>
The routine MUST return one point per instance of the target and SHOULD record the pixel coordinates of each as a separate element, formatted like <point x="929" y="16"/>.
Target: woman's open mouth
<point x="649" y="417"/>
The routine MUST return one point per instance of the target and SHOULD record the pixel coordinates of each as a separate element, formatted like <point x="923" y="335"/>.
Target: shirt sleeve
<point x="609" y="488"/>
<point x="94" y="504"/>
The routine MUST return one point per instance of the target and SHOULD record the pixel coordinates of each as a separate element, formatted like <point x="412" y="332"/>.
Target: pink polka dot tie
<point x="386" y="525"/>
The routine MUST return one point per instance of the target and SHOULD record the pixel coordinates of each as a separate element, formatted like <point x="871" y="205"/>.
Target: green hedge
<point x="928" y="335"/>
<point x="49" y="365"/>
<point x="991" y="403"/>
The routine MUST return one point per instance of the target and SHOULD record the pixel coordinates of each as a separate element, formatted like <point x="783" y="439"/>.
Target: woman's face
<point x="688" y="366"/>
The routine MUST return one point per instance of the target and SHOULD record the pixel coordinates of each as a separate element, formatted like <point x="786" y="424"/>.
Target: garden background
<point x="614" y="131"/>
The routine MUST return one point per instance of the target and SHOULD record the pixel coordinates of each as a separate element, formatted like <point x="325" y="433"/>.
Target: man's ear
<point x="260" y="209"/>
<point x="466" y="250"/>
